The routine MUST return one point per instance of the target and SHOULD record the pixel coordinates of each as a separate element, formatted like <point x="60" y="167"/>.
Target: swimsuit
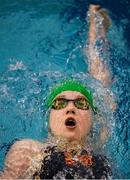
<point x="65" y="165"/>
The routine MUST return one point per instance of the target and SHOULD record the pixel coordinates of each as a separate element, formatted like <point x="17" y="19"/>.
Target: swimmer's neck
<point x="68" y="141"/>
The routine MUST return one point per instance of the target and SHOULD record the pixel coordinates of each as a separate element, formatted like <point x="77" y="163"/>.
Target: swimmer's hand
<point x="96" y="9"/>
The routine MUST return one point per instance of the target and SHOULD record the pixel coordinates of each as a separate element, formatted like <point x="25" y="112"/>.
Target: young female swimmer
<point x="71" y="108"/>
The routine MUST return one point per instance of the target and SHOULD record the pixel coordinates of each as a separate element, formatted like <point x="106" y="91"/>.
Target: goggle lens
<point x="80" y="103"/>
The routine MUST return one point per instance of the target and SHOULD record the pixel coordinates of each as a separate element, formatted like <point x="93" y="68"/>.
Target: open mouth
<point x="70" y="123"/>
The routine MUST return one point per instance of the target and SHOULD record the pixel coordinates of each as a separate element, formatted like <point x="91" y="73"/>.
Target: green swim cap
<point x="70" y="85"/>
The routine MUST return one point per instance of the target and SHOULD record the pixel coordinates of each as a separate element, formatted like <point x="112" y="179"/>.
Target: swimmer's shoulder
<point x="29" y="144"/>
<point x="20" y="157"/>
<point x="25" y="147"/>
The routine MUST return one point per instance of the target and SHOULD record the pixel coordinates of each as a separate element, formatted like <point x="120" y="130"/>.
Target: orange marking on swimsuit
<point x="84" y="159"/>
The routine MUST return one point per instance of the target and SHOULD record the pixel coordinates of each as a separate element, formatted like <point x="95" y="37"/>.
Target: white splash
<point x="18" y="66"/>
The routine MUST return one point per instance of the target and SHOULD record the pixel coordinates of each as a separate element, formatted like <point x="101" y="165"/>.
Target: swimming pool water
<point x="42" y="40"/>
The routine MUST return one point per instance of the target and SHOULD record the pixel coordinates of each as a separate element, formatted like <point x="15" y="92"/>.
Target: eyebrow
<point x="60" y="96"/>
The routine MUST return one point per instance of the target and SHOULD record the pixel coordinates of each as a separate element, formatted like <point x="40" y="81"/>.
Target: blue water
<point x="42" y="41"/>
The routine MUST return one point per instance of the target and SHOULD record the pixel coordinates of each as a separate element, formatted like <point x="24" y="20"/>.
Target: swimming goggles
<point x="60" y="103"/>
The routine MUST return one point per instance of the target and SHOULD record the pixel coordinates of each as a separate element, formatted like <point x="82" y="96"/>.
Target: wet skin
<point x="82" y="119"/>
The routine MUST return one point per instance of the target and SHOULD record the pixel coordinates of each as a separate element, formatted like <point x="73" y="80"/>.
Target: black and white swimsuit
<point x="63" y="165"/>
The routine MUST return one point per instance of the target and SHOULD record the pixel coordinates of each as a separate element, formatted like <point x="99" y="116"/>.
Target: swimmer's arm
<point x="19" y="159"/>
<point x="97" y="32"/>
<point x="98" y="67"/>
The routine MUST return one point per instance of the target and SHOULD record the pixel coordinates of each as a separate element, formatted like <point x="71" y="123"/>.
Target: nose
<point x="70" y="109"/>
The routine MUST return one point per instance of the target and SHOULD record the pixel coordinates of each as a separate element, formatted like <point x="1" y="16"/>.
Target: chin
<point x="71" y="136"/>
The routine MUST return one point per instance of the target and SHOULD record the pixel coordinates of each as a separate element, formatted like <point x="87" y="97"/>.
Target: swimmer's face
<point x="68" y="121"/>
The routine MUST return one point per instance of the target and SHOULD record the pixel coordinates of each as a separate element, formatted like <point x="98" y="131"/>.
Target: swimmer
<point x="70" y="121"/>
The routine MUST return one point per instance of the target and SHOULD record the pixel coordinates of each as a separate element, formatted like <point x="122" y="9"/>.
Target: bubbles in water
<point x="18" y="66"/>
